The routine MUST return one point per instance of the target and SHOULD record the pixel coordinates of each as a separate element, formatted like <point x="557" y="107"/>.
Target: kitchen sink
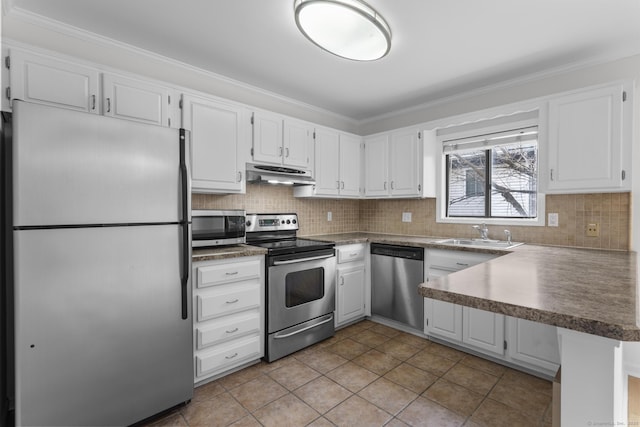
<point x="480" y="243"/>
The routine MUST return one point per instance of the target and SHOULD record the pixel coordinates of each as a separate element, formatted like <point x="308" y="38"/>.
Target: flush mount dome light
<point x="347" y="28"/>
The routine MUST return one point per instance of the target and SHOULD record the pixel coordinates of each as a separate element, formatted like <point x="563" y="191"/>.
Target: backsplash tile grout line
<point x="575" y="211"/>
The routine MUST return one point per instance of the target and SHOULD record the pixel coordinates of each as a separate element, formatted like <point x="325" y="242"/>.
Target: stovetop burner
<point x="277" y="234"/>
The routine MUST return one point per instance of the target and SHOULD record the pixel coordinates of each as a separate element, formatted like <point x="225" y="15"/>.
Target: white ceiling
<point x="440" y="48"/>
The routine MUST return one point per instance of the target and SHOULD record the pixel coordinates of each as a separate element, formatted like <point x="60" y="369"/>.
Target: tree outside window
<point x="497" y="180"/>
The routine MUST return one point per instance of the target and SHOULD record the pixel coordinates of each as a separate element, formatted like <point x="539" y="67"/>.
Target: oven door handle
<point x="293" y="261"/>
<point x="306" y="328"/>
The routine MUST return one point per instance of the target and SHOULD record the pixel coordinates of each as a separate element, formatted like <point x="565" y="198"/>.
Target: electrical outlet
<point x="593" y="229"/>
<point x="329" y="216"/>
<point x="553" y="220"/>
<point x="406" y="216"/>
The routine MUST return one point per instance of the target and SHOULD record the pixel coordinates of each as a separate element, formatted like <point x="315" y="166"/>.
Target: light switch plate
<point x="329" y="216"/>
<point x="406" y="216"/>
<point x="553" y="220"/>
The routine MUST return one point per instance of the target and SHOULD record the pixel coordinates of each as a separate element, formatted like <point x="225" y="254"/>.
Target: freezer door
<point x="99" y="335"/>
<point x="78" y="168"/>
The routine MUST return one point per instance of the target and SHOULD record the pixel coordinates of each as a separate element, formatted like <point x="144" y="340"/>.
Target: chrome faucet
<point x="483" y="230"/>
<point x="508" y="234"/>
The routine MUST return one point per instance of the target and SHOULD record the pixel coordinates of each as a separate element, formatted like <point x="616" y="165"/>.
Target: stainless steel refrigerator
<point x="97" y="236"/>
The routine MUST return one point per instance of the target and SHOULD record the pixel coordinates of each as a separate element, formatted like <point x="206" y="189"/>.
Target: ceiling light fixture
<point x="347" y="28"/>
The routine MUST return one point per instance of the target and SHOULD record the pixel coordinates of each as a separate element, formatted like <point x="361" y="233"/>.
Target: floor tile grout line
<point x="464" y="361"/>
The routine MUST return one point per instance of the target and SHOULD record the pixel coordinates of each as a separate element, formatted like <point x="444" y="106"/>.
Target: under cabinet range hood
<point x="267" y="174"/>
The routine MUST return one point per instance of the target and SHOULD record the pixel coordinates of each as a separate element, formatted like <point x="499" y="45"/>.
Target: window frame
<point x="479" y="128"/>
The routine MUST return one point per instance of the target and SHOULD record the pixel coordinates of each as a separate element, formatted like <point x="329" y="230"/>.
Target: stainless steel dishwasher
<point x="396" y="272"/>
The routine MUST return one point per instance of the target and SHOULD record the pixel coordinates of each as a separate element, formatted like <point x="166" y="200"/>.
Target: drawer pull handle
<point x="462" y="263"/>
<point x="232" y="356"/>
<point x="353" y="254"/>
<point x="232" y="331"/>
<point x="233" y="301"/>
<point x="231" y="273"/>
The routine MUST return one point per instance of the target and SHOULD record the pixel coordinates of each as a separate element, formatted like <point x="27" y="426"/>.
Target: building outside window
<point x="493" y="175"/>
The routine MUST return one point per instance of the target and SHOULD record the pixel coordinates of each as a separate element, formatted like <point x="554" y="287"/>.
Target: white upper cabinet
<point x="267" y="138"/>
<point x="393" y="164"/>
<point x="350" y="161"/>
<point x="137" y="100"/>
<point x="44" y="80"/>
<point x="404" y="163"/>
<point x="376" y="161"/>
<point x="337" y="165"/>
<point x="298" y="144"/>
<point x="218" y="136"/>
<point x="281" y="141"/>
<point x="327" y="155"/>
<point x="589" y="141"/>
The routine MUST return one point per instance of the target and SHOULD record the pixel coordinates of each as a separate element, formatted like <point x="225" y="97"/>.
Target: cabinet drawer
<point x="227" y="354"/>
<point x="348" y="253"/>
<point x="455" y="260"/>
<point x="226" y="328"/>
<point x="229" y="272"/>
<point x="231" y="300"/>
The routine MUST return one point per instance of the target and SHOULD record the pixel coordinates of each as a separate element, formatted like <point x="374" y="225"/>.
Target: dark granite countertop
<point x="586" y="290"/>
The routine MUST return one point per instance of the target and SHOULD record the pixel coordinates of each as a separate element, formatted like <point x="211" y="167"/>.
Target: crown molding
<point x="88" y="36"/>
<point x="506" y="84"/>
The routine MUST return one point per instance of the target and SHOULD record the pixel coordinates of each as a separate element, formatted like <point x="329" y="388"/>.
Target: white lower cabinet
<point x="483" y="329"/>
<point x="351" y="284"/>
<point x="443" y="319"/>
<point x="531" y="345"/>
<point x="228" y="319"/>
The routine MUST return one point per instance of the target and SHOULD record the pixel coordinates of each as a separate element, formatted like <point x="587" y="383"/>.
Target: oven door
<point x="300" y="289"/>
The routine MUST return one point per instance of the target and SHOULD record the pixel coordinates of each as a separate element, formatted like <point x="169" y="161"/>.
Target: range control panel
<point x="271" y="222"/>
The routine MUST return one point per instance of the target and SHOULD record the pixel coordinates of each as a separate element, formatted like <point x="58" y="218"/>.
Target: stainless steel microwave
<point x="217" y="227"/>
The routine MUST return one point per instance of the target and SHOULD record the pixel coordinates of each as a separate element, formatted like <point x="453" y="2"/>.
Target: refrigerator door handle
<point x="184" y="280"/>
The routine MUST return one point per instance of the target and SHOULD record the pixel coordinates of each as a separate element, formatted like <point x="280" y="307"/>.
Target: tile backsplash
<point x="575" y="211"/>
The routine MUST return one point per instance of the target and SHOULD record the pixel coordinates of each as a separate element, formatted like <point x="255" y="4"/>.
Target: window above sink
<point x="488" y="172"/>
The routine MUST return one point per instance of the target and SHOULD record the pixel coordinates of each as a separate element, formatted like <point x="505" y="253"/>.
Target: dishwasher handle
<point x="397" y="251"/>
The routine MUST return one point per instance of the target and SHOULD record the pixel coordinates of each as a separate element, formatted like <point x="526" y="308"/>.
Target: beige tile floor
<point x="370" y="375"/>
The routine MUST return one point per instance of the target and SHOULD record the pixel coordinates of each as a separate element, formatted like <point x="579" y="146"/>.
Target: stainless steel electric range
<point x="300" y="284"/>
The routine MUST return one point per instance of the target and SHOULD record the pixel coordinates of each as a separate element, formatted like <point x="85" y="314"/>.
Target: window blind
<point x="480" y="142"/>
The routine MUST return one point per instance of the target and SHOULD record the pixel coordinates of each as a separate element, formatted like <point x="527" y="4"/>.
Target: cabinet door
<point x="483" y="330"/>
<point x="42" y="80"/>
<point x="533" y="343"/>
<point x="585" y="140"/>
<point x="135" y="100"/>
<point x="327" y="162"/>
<point x="403" y="163"/>
<point x="349" y="165"/>
<point x="443" y="319"/>
<point x="376" y="160"/>
<point x="267" y="138"/>
<point x="216" y="131"/>
<point x="350" y="296"/>
<point x="298" y="144"/>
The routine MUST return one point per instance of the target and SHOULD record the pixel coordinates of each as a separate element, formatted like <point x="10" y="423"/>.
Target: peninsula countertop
<point x="587" y="290"/>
